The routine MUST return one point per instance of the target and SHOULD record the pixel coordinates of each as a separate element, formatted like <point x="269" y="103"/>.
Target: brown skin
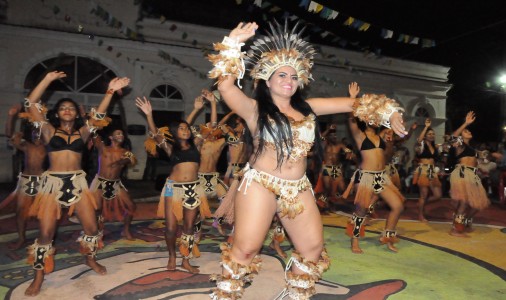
<point x="182" y="172"/>
<point x="35" y="153"/>
<point x="331" y="149"/>
<point x="111" y="162"/>
<point x="237" y="152"/>
<point x="374" y="160"/>
<point x="427" y="136"/>
<point x="470" y="161"/>
<point x="66" y="160"/>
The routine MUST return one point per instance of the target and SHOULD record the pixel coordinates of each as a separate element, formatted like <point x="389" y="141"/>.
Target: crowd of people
<point x="282" y="169"/>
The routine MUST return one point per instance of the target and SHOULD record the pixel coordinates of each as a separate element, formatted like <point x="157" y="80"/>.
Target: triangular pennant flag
<point x="356" y="24"/>
<point x="258" y="3"/>
<point x="349" y="21"/>
<point x="415" y="40"/>
<point x="364" y="27"/>
<point x="319" y="8"/>
<point x="312" y="6"/>
<point x="333" y="15"/>
<point x="303" y="3"/>
<point x="401" y="38"/>
<point x="406" y="39"/>
<point x="387" y="34"/>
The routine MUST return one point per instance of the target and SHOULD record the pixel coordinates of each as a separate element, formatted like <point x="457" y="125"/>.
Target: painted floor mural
<point x="430" y="265"/>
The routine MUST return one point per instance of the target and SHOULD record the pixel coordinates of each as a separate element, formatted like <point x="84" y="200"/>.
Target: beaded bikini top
<point x="302" y="137"/>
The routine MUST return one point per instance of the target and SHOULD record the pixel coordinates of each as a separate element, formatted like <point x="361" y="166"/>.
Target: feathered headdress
<point x="281" y="48"/>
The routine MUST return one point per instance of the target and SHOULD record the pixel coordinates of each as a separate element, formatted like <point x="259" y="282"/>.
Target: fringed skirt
<point x="393" y="173"/>
<point x="466" y="186"/>
<point x="114" y="207"/>
<point x="369" y="183"/>
<point x="210" y="181"/>
<point x="189" y="195"/>
<point x="286" y="191"/>
<point x="28" y="186"/>
<point x="61" y="190"/>
<point x="425" y="176"/>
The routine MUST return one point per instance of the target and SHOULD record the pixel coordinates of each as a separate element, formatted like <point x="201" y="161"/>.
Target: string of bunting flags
<point x="352" y="22"/>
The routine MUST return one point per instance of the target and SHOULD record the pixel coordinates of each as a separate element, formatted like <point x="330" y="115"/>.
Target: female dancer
<point x="425" y="176"/>
<point x="182" y="195"/>
<point x="371" y="180"/>
<point x="64" y="183"/>
<point x="466" y="187"/>
<point x="284" y="128"/>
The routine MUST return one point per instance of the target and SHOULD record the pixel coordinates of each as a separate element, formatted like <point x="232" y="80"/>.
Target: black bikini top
<point x="59" y="143"/>
<point x="188" y="155"/>
<point x="426" y="152"/>
<point x="367" y="144"/>
<point x="467" y="152"/>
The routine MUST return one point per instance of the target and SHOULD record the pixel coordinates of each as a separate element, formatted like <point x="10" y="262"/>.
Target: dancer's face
<point x="466" y="134"/>
<point x="430" y="136"/>
<point x="183" y="131"/>
<point x="283" y="82"/>
<point x="117" y="136"/>
<point x="67" y="111"/>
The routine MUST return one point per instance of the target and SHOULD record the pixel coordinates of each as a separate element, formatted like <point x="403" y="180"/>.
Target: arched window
<point x="167" y="102"/>
<point x="422" y="112"/>
<point x="84" y="75"/>
<point x="166" y="91"/>
<point x="86" y="82"/>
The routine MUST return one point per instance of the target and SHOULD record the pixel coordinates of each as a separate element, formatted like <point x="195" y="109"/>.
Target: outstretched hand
<point x="397" y="124"/>
<point x="353" y="89"/>
<point x="427" y="122"/>
<point x="199" y="103"/>
<point x="52" y="76"/>
<point x="470" y="117"/>
<point x="208" y="95"/>
<point x="144" y="105"/>
<point x="118" y="83"/>
<point x="243" y="31"/>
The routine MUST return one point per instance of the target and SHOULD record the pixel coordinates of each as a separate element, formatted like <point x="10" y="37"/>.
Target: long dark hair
<point x="173" y="126"/>
<point x="53" y="114"/>
<point x="267" y="110"/>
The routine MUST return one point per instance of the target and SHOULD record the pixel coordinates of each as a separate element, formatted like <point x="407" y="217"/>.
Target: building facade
<point x="97" y="40"/>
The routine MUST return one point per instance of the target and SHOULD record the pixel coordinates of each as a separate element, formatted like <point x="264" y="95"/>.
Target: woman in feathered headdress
<point x="284" y="128"/>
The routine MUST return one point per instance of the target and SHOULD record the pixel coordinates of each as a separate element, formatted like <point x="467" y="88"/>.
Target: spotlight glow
<point x="502" y="79"/>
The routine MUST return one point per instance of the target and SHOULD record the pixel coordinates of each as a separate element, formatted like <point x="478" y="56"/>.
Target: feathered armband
<point x="151" y="143"/>
<point x="229" y="61"/>
<point x="97" y="121"/>
<point x="375" y="110"/>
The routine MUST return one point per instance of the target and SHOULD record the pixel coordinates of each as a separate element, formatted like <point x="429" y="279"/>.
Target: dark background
<point x="470" y="38"/>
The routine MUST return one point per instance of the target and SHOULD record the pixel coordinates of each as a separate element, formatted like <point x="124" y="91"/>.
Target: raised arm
<point x="424" y="131"/>
<point x="145" y="106"/>
<point x="115" y="85"/>
<point x="33" y="102"/>
<point x="214" y="111"/>
<point x="197" y="106"/>
<point x="228" y="66"/>
<point x="98" y="143"/>
<point x="18" y="142"/>
<point x="225" y="118"/>
<point x="11" y="119"/>
<point x="470" y="117"/>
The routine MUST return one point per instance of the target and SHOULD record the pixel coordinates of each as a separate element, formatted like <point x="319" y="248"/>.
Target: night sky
<point x="469" y="36"/>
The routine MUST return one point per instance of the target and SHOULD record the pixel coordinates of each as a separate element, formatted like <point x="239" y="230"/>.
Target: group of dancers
<point x="275" y="130"/>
